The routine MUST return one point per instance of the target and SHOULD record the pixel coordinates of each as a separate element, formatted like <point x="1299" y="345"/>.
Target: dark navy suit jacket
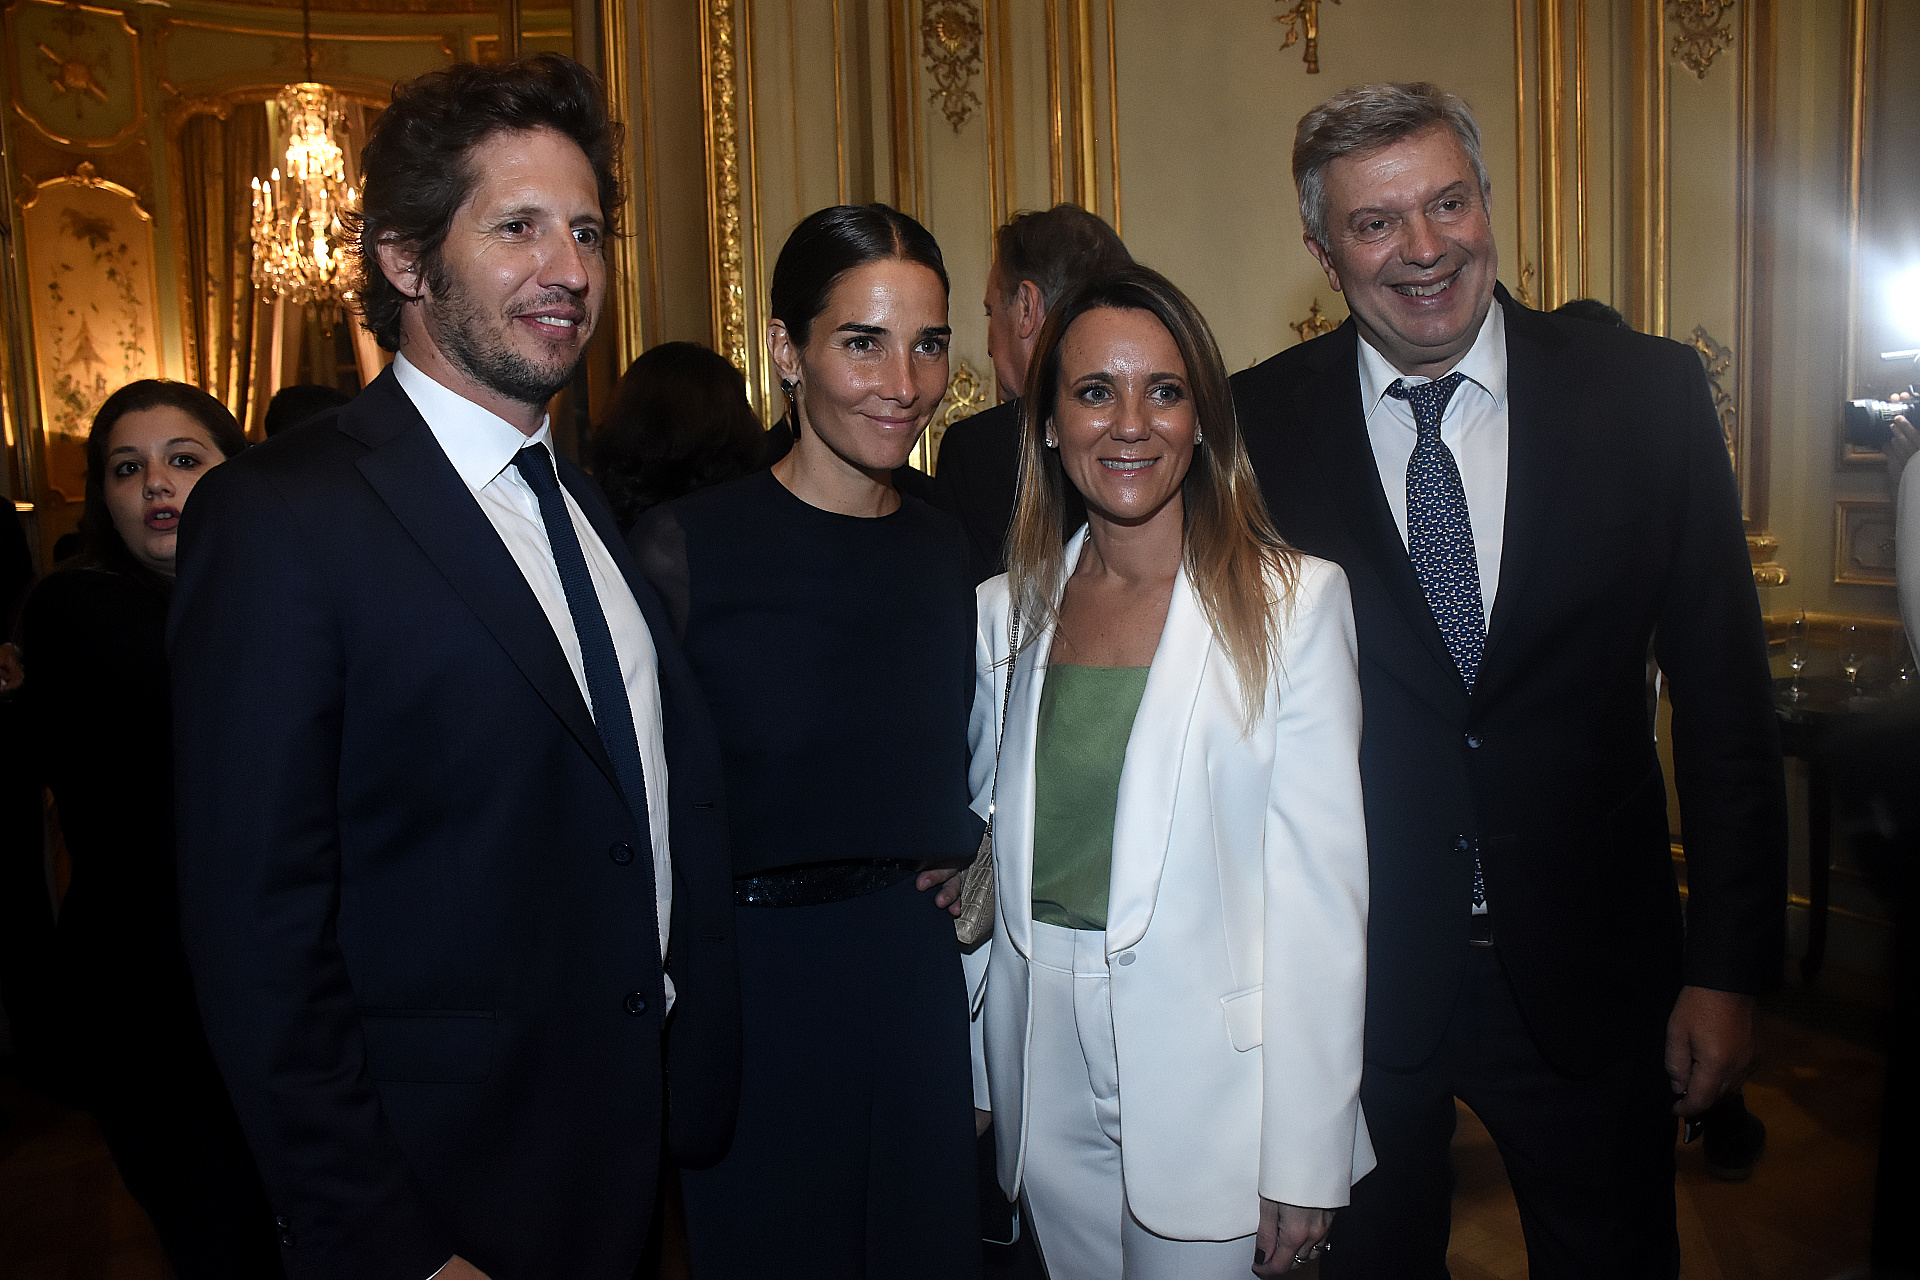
<point x="1622" y="524"/>
<point x="425" y="950"/>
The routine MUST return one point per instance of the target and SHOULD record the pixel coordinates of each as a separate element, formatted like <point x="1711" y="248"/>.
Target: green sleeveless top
<point x="1086" y="716"/>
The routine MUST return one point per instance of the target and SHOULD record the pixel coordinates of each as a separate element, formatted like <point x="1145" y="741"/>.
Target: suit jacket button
<point x="1126" y="957"/>
<point x="1473" y="740"/>
<point x="636" y="1004"/>
<point x="621" y="854"/>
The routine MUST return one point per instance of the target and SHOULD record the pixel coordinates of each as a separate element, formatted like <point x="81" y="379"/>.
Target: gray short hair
<point x="1366" y="119"/>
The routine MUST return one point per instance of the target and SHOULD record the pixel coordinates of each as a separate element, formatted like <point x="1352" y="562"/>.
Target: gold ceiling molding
<point x="950" y="36"/>
<point x="1701" y="37"/>
<point x="720" y="89"/>
<point x="1314" y="325"/>
<point x="1302" y="21"/>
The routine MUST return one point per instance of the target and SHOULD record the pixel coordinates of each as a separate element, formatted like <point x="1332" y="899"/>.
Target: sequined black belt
<point x="819" y="884"/>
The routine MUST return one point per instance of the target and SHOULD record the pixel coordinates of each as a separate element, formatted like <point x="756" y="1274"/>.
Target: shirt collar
<point x="1485" y="364"/>
<point x="480" y="444"/>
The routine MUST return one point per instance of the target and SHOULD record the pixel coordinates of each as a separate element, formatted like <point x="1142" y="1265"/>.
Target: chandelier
<point x="297" y="207"/>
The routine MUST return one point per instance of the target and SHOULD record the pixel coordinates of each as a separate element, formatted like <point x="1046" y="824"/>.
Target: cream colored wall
<point x="1208" y="104"/>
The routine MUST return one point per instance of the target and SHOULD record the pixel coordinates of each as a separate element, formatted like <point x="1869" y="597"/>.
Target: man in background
<point x="1037" y="259"/>
<point x="294" y="405"/>
<point x="448" y="799"/>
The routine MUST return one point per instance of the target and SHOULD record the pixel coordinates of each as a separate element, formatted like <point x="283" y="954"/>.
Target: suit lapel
<point x="1150" y="780"/>
<point x="1013" y="788"/>
<point x="408" y="469"/>
<point x="1337" y="433"/>
<point x="1536" y="415"/>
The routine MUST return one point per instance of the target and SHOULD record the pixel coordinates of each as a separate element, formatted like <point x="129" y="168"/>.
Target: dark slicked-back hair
<point x="101" y="546"/>
<point x="830" y="242"/>
<point x="415" y="171"/>
<point x="1056" y="250"/>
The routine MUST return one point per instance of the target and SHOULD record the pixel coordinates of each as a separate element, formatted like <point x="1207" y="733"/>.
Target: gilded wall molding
<point x="617" y="70"/>
<point x="1717" y="360"/>
<point x="1302" y="21"/>
<point x="720" y="89"/>
<point x="1701" y="37"/>
<point x="951" y="33"/>
<point x="1316" y="323"/>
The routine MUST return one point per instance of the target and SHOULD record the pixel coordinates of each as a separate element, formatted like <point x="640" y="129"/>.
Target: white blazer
<point x="1237" y="918"/>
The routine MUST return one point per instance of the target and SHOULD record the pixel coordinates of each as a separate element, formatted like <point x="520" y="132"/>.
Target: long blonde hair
<point x="1233" y="555"/>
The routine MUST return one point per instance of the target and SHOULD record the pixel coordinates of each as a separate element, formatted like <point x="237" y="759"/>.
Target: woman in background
<point x="1175" y="993"/>
<point x="846" y="774"/>
<point x="680" y="422"/>
<point x="93" y="636"/>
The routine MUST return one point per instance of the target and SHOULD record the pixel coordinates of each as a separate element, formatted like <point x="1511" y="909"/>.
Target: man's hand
<point x="12" y="672"/>
<point x="982" y="1121"/>
<point x="1709" y="1046"/>
<point x="1905" y="443"/>
<point x="948" y="878"/>
<point x="458" y="1268"/>
<point x="1289" y="1237"/>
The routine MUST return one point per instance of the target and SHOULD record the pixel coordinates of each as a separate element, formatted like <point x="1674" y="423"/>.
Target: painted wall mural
<point x="90" y="272"/>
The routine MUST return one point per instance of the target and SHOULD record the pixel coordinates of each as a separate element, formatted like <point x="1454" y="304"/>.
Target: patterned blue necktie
<point x="612" y="713"/>
<point x="1439" y="532"/>
<point x="1440" y="540"/>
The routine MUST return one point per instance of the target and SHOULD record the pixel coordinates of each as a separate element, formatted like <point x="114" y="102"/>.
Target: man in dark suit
<point x="434" y="736"/>
<point x="1520" y="502"/>
<point x="1037" y="258"/>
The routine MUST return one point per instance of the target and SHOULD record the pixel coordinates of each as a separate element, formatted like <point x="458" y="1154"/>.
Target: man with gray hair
<point x="1037" y="259"/>
<point x="1521" y="503"/>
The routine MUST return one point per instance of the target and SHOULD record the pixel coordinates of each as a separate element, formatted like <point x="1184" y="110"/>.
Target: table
<point x="1805" y="723"/>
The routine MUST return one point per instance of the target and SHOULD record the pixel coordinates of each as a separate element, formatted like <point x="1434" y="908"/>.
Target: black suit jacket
<point x="977" y="481"/>
<point x="427" y="959"/>
<point x="1622" y="523"/>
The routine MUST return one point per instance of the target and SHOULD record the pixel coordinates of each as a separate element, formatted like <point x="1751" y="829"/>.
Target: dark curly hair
<point x="101" y="546"/>
<point x="680" y="422"/>
<point x="415" y="173"/>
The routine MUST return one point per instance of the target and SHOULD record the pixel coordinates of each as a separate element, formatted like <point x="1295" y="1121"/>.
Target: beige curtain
<point x="229" y="330"/>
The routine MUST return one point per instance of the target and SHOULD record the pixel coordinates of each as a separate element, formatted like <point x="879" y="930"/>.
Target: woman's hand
<point x="948" y="880"/>
<point x="1289" y="1237"/>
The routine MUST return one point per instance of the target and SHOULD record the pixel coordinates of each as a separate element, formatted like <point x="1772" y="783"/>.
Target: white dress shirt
<point x="481" y="447"/>
<point x="1474" y="427"/>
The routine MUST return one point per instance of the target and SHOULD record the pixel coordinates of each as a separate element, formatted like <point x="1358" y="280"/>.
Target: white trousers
<point x="1075" y="1194"/>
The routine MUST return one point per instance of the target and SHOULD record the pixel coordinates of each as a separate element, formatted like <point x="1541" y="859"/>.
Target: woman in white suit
<point x="1174" y="994"/>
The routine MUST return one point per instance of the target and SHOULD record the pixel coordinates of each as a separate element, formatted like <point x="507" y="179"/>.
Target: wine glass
<point x="1851" y="664"/>
<point x="1796" y="652"/>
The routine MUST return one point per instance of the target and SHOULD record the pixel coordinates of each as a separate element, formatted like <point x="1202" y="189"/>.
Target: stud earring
<point x="1050" y="442"/>
<point x="1198" y="436"/>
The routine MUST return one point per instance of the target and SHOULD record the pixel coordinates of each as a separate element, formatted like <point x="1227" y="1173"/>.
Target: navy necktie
<point x="612" y="714"/>
<point x="1439" y="532"/>
<point x="1440" y="539"/>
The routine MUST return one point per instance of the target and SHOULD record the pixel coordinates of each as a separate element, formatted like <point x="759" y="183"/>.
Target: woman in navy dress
<point x="829" y="619"/>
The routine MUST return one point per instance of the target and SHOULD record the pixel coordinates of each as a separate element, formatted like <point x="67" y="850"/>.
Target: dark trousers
<point x="853" y="1157"/>
<point x="1590" y="1160"/>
